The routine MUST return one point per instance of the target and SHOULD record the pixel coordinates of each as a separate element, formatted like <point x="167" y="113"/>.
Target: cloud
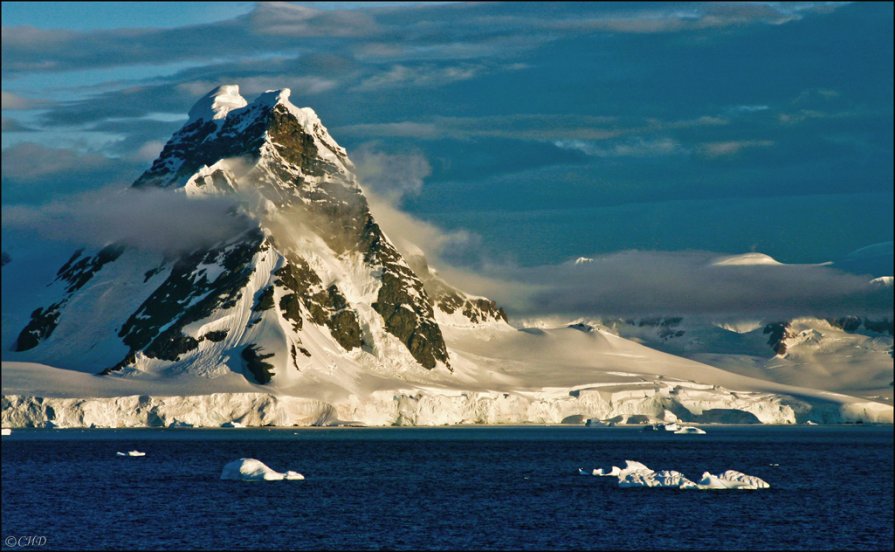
<point x="153" y="219"/>
<point x="291" y="20"/>
<point x="390" y="176"/>
<point x="29" y="162"/>
<point x="13" y="125"/>
<point x="418" y="76"/>
<point x="148" y="151"/>
<point x="634" y="147"/>
<point x="252" y="86"/>
<point x="14" y="101"/>
<point x="720" y="149"/>
<point x="673" y="17"/>
<point x="645" y="283"/>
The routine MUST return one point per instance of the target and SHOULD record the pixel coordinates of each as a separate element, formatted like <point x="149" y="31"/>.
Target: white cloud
<point x="720" y="149"/>
<point x="14" y="101"/>
<point x="390" y="176"/>
<point x="635" y="147"/>
<point x="154" y="219"/>
<point x="645" y="283"/>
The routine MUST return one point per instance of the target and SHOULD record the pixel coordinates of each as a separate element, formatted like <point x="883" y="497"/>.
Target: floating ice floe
<point x="635" y="474"/>
<point x="130" y="453"/>
<point x="689" y="430"/>
<point x="250" y="469"/>
<point x="649" y="478"/>
<point x="7" y="431"/>
<point x="600" y="472"/>
<point x="232" y="425"/>
<point x="673" y="427"/>
<point x="732" y="479"/>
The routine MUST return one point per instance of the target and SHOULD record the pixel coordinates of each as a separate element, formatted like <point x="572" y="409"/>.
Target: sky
<point x="537" y="133"/>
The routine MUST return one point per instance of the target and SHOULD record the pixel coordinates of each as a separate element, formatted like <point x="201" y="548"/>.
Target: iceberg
<point x="649" y="478"/>
<point x="732" y="479"/>
<point x="130" y="453"/>
<point x="7" y="431"/>
<point x="250" y="469"/>
<point x="689" y="430"/>
<point x="232" y="425"/>
<point x="635" y="474"/>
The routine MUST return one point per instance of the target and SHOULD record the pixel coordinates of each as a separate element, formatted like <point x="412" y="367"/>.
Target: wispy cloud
<point x="157" y="220"/>
<point x="391" y="176"/>
<point x="291" y="20"/>
<point x="646" y="283"/>
<point x="417" y="76"/>
<point x="29" y="161"/>
<point x="13" y="125"/>
<point x="635" y="147"/>
<point x="14" y="101"/>
<point x="720" y="149"/>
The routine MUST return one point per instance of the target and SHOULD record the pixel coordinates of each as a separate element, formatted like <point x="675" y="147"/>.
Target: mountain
<point x="306" y="313"/>
<point x="311" y="275"/>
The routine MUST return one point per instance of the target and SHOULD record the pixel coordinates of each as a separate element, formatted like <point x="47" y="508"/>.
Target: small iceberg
<point x="250" y="469"/>
<point x="732" y="479"/>
<point x="130" y="453"/>
<point x="635" y="474"/>
<point x="232" y="425"/>
<point x="7" y="431"/>
<point x="600" y="472"/>
<point x="689" y="430"/>
<point x="649" y="478"/>
<point x="810" y="422"/>
<point x="671" y="426"/>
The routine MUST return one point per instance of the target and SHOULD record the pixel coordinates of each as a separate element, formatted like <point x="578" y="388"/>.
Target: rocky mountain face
<point x="311" y="278"/>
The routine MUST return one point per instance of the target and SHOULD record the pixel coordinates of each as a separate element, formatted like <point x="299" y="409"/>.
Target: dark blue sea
<point x="445" y="488"/>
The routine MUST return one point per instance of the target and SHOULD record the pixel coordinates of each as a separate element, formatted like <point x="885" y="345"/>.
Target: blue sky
<point x="550" y="131"/>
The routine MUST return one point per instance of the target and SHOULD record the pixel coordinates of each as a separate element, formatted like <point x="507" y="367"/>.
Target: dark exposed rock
<point x="129" y="359"/>
<point x="167" y="304"/>
<point x="254" y="362"/>
<point x="778" y="332"/>
<point x="43" y="322"/>
<point x="853" y="324"/>
<point x="79" y="273"/>
<point x="215" y="336"/>
<point x="265" y="299"/>
<point x="325" y="307"/>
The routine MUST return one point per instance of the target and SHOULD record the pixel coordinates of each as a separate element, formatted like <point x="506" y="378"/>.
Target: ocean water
<point x="445" y="488"/>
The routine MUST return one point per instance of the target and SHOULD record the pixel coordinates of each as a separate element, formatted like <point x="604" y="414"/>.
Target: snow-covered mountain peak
<point x="312" y="282"/>
<point x="271" y="98"/>
<point x="222" y="125"/>
<point x="217" y="103"/>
